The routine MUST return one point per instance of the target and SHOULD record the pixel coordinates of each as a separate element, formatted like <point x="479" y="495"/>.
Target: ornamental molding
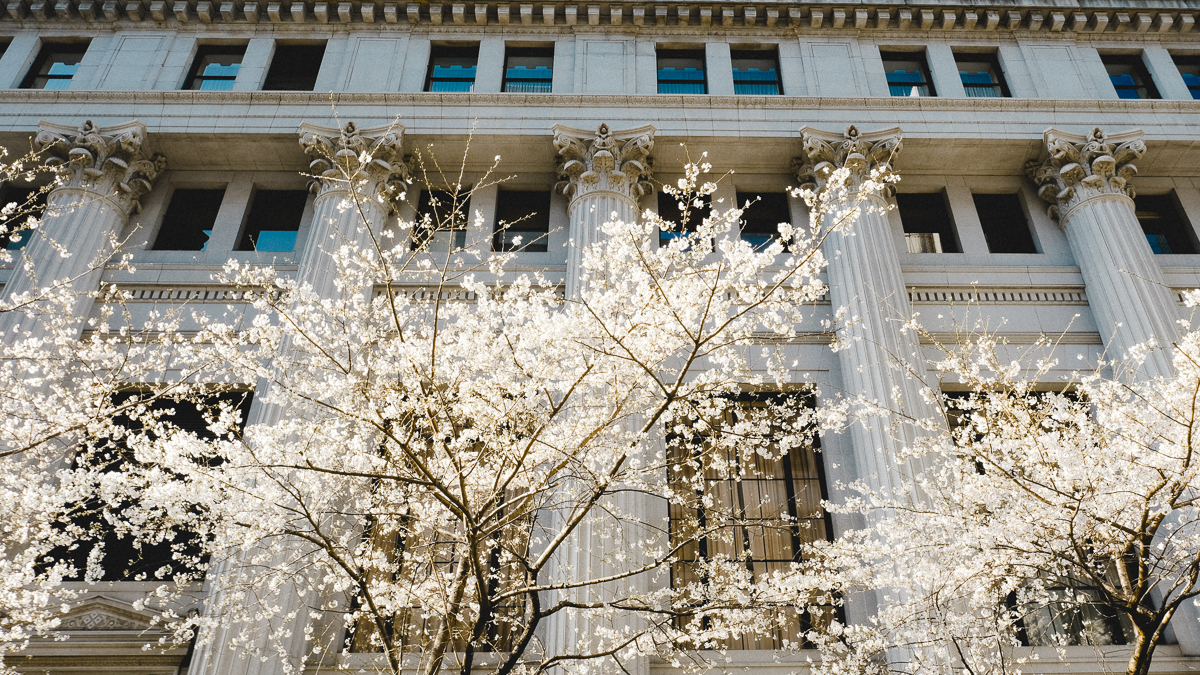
<point x="1017" y="295"/>
<point x="1075" y="169"/>
<point x="604" y="161"/>
<point x="371" y="160"/>
<point x="823" y="152"/>
<point x="111" y="163"/>
<point x="787" y="18"/>
<point x="102" y="613"/>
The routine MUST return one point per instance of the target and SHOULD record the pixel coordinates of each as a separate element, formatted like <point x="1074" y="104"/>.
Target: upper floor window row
<point x="752" y="70"/>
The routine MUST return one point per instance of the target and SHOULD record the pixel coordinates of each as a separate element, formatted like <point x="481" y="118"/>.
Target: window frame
<point x="164" y="221"/>
<point x="1191" y="62"/>
<point x="267" y="84"/>
<point x="771" y="53"/>
<point x="917" y="56"/>
<point x="1137" y="65"/>
<point x="443" y="51"/>
<point x="527" y="52"/>
<point x="999" y="83"/>
<point x="693" y="54"/>
<point x="196" y="80"/>
<point x="46" y="52"/>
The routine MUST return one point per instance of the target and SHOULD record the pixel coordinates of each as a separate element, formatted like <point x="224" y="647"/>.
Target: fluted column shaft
<point x="878" y="360"/>
<point x="104" y="172"/>
<point x="602" y="173"/>
<point x="1086" y="181"/>
<point x="353" y="199"/>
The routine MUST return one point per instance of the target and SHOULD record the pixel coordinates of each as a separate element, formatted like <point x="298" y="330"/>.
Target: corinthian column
<point x="359" y="175"/>
<point x="105" y="171"/>
<point x="878" y="360"/>
<point x="603" y="175"/>
<point x="1086" y="181"/>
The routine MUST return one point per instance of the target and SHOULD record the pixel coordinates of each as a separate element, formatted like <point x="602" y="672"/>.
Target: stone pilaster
<point x="1086" y="180"/>
<point x="878" y="361"/>
<point x="602" y="173"/>
<point x="104" y="172"/>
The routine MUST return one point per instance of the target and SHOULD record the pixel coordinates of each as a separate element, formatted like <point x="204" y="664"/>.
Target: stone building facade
<point x="1049" y="156"/>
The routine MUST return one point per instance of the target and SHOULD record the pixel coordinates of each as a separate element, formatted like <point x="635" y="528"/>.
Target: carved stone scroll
<point x="604" y="160"/>
<point x="864" y="154"/>
<point x="372" y="160"/>
<point x="1075" y="169"/>
<point x="107" y="162"/>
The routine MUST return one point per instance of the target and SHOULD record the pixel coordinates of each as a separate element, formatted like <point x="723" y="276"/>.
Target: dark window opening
<point x="907" y="74"/>
<point x="216" y="67"/>
<point x="294" y="68"/>
<point x="442" y="221"/>
<point x="928" y="227"/>
<point x="681" y="71"/>
<point x="528" y="70"/>
<point x="1189" y="69"/>
<point x="522" y="221"/>
<point x="756" y="510"/>
<point x="684" y="221"/>
<point x="126" y="559"/>
<point x="756" y="72"/>
<point x="56" y="64"/>
<point x="1004" y="224"/>
<point x="274" y="220"/>
<point x="1167" y="229"/>
<point x="452" y="69"/>
<point x="1129" y="76"/>
<point x="760" y="221"/>
<point x="981" y="75"/>
<point x="189" y="220"/>
<point x="29" y="202"/>
<point x="1079" y="616"/>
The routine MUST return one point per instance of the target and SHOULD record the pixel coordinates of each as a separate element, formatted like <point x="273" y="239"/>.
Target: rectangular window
<point x="760" y="221"/>
<point x="1189" y="68"/>
<point x="684" y="221"/>
<point x="294" y="67"/>
<point x="1129" y="76"/>
<point x="274" y="220"/>
<point x="55" y="65"/>
<point x="981" y="75"/>
<point x="452" y="68"/>
<point x="681" y="71"/>
<point x="215" y="67"/>
<point x="740" y="505"/>
<point x="28" y="202"/>
<point x="928" y="227"/>
<point x="528" y="70"/>
<point x="907" y="73"/>
<point x="1166" y="228"/>
<point x="1004" y="224"/>
<point x="756" y="72"/>
<point x="189" y="220"/>
<point x="522" y="221"/>
<point x="442" y="221"/>
<point x="124" y="558"/>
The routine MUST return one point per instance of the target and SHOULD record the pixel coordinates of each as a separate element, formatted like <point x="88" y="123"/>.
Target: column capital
<point x="111" y="162"/>
<point x="373" y="159"/>
<point x="824" y="152"/>
<point x="604" y="161"/>
<point x="1075" y="169"/>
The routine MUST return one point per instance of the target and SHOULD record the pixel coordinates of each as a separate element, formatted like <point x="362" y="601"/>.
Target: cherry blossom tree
<point x="443" y="459"/>
<point x="1052" y="518"/>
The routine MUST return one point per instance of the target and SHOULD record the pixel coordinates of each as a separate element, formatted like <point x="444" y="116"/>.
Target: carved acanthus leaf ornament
<point x="110" y="162"/>
<point x="863" y="154"/>
<point x="372" y="160"/>
<point x="606" y="160"/>
<point x="1078" y="168"/>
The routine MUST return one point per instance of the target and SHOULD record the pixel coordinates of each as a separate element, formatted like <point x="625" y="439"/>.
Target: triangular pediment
<point x="104" y="613"/>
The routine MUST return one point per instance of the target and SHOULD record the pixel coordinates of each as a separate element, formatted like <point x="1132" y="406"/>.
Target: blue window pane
<point x="759" y="242"/>
<point x="276" y="240"/>
<point x="216" y="85"/>
<point x="1128" y="93"/>
<point x="1193" y="83"/>
<point x="527" y="73"/>
<point x="976" y="78"/>
<point x="19" y="240"/>
<point x="898" y="76"/>
<point x="454" y="72"/>
<point x="527" y="87"/>
<point x="771" y="89"/>
<point x="207" y="234"/>
<point x="685" y="74"/>
<point x="754" y="75"/>
<point x="63" y="69"/>
<point x="681" y="88"/>
<point x="451" y="86"/>
<point x="58" y="84"/>
<point x="1158" y="244"/>
<point x="1123" y="80"/>
<point x="218" y="70"/>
